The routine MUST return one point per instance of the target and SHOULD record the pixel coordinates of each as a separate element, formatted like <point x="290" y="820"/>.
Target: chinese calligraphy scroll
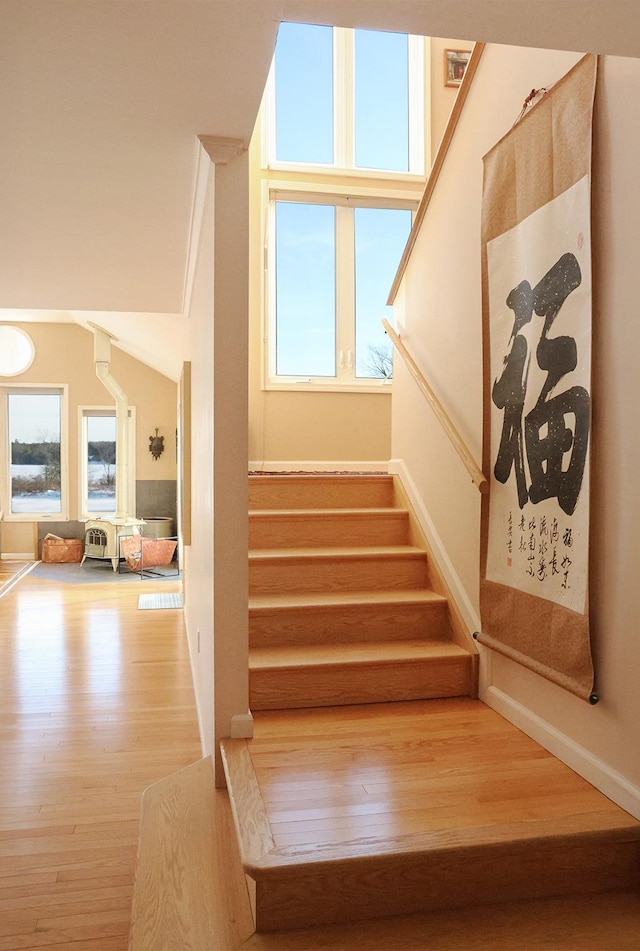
<point x="536" y="257"/>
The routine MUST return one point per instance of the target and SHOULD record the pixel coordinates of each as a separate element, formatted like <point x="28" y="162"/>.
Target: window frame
<point x="344" y="201"/>
<point x="85" y="412"/>
<point x="344" y="113"/>
<point x="37" y="389"/>
<point x="379" y="187"/>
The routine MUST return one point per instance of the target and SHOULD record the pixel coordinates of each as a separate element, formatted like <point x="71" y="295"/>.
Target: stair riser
<point x="283" y="492"/>
<point x="395" y="885"/>
<point x="352" y="624"/>
<point x="315" y="531"/>
<point x="338" y="685"/>
<point x="278" y="576"/>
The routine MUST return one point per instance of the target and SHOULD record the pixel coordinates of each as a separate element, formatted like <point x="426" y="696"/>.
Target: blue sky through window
<point x="335" y="265"/>
<point x="381" y="100"/>
<point x="306" y="292"/>
<point x="304" y="93"/>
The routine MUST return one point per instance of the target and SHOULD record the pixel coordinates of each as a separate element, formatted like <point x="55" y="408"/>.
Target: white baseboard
<point x="18" y="556"/>
<point x="294" y="465"/>
<point x="577" y="757"/>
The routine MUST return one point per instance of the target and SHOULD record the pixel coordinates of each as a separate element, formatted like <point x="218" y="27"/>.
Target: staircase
<point x="378" y="804"/>
<point x="341" y="602"/>
<point x="375" y="785"/>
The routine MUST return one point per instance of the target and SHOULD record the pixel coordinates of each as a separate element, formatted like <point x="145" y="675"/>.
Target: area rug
<point x="152" y="602"/>
<point x="98" y="570"/>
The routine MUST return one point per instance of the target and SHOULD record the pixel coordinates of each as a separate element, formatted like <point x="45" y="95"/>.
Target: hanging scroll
<point x="536" y="257"/>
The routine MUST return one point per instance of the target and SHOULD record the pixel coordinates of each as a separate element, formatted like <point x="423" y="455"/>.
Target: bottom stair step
<point x="352" y="813"/>
<point x="330" y="675"/>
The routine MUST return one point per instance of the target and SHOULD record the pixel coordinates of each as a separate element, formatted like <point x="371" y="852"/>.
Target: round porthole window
<point x="16" y="351"/>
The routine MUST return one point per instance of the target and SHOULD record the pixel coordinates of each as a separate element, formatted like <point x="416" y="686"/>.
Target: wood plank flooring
<point x="96" y="703"/>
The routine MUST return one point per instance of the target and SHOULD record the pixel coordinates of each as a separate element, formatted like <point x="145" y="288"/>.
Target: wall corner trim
<point x="606" y="779"/>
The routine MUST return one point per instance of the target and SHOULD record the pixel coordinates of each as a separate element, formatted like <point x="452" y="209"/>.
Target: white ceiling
<point x="101" y="103"/>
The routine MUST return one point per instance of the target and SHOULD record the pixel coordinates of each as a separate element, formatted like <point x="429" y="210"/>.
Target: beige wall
<point x="441" y="309"/>
<point x="198" y="557"/>
<point x="64" y="354"/>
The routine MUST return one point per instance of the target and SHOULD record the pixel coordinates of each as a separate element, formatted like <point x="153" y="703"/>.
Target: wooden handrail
<point x="438" y="162"/>
<point x="443" y="417"/>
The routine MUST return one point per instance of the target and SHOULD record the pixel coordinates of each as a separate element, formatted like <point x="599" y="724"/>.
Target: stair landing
<point x="389" y="809"/>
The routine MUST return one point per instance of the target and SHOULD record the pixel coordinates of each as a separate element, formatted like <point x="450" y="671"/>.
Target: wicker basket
<point x="62" y="550"/>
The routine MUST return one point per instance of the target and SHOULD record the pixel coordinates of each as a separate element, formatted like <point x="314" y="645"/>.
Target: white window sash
<point x="62" y="390"/>
<point x="344" y="114"/>
<point x="345" y="378"/>
<point x="84" y="412"/>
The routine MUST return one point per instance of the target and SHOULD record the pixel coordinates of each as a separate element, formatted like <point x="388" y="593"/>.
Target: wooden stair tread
<point x="299" y="513"/>
<point x="317" y="599"/>
<point x="372" y="552"/>
<point x="265" y="658"/>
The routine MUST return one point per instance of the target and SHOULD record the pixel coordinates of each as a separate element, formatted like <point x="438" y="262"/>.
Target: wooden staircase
<point x="375" y="785"/>
<point x="341" y="604"/>
<point x="378" y="804"/>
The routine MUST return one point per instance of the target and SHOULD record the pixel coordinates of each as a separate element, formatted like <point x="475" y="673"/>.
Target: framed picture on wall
<point x="455" y="64"/>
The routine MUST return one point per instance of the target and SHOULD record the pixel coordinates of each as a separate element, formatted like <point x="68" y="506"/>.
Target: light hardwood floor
<point x="96" y="703"/>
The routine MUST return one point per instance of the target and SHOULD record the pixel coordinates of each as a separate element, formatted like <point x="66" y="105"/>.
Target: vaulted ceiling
<point x="101" y="103"/>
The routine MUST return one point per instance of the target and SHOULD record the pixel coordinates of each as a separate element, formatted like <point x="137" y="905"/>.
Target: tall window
<point x="345" y="114"/>
<point x="98" y="457"/>
<point x="99" y="461"/>
<point x="334" y="264"/>
<point x="34" y="425"/>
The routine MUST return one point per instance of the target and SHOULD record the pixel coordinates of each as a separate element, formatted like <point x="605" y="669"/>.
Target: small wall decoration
<point x="156" y="445"/>
<point x="455" y="64"/>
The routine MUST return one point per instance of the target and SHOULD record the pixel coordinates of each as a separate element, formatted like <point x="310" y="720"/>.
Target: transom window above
<point x="352" y="99"/>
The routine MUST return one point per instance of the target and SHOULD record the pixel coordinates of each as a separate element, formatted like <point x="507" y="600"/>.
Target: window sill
<point x="300" y="386"/>
<point x="35" y="517"/>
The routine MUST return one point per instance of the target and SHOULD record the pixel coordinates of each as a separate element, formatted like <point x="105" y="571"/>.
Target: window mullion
<point x="343" y="96"/>
<point x="419" y="105"/>
<point x="345" y="293"/>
